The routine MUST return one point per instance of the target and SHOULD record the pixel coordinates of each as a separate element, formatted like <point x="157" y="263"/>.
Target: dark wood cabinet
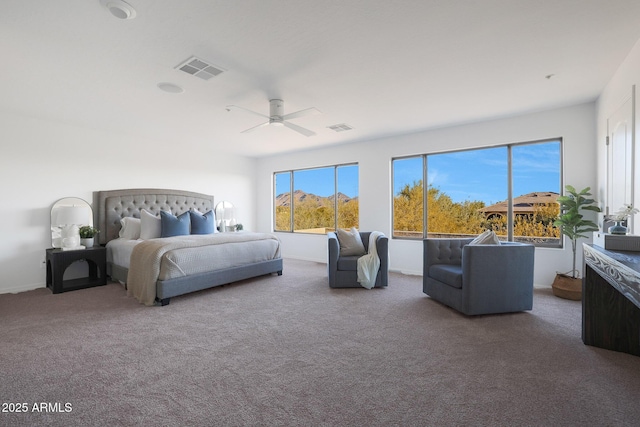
<point x="58" y="261"/>
<point x="611" y="300"/>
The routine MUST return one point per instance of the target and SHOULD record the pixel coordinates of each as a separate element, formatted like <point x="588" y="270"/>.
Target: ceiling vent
<point x="340" y="128"/>
<point x="200" y="68"/>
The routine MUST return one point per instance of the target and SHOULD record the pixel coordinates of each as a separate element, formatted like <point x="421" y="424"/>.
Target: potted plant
<point x="573" y="225"/>
<point x="621" y="216"/>
<point x="87" y="233"/>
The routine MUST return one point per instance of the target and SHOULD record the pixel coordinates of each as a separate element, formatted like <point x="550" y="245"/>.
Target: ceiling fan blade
<point x="299" y="129"/>
<point x="230" y="107"/>
<point x="255" y="127"/>
<point x="306" y="112"/>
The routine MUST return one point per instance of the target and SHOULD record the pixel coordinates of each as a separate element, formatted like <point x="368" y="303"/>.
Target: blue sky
<point x="482" y="174"/>
<point x="321" y="181"/>
<point x="466" y="175"/>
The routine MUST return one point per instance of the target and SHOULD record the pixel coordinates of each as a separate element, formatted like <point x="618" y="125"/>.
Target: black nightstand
<point x="58" y="261"/>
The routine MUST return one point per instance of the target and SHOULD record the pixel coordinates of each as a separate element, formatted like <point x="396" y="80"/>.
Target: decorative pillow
<point x="130" y="228"/>
<point x="150" y="225"/>
<point x="174" y="226"/>
<point x="487" y="238"/>
<point x="202" y="223"/>
<point x="350" y="242"/>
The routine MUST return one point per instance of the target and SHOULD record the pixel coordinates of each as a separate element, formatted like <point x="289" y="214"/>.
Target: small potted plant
<point x="573" y="225"/>
<point x="87" y="234"/>
<point x="621" y="216"/>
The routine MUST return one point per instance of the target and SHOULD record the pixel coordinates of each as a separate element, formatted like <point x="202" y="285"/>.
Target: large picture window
<point x="316" y="200"/>
<point x="511" y="189"/>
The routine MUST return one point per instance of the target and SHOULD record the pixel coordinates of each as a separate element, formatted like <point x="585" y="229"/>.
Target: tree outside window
<point x="316" y="200"/>
<point x="468" y="192"/>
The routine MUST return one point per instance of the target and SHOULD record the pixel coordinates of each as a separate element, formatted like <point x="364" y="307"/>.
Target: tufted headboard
<point x="113" y="205"/>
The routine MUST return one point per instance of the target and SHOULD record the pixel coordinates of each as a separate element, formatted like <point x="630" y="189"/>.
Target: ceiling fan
<point x="277" y="117"/>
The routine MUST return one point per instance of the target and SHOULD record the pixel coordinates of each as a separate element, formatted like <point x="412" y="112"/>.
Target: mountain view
<point x="315" y="214"/>
<point x="533" y="219"/>
<point x="284" y="199"/>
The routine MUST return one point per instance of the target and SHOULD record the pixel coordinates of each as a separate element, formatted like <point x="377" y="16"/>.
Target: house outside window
<point x="511" y="189"/>
<point x="316" y="200"/>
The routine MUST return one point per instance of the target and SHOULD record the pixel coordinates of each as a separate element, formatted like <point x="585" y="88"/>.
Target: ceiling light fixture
<point x="170" y="87"/>
<point x="119" y="9"/>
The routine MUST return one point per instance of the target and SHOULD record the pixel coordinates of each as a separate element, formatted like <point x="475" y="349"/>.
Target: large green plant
<point x="571" y="221"/>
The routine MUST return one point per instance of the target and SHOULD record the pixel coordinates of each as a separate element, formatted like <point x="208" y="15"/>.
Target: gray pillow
<point x="350" y="242"/>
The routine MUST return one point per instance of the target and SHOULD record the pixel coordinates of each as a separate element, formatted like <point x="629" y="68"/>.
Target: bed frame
<point x="113" y="205"/>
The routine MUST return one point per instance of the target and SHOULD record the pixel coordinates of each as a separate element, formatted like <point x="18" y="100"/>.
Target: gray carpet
<point x="291" y="351"/>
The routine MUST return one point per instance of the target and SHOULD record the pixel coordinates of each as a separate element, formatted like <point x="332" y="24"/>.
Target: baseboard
<point x="22" y="288"/>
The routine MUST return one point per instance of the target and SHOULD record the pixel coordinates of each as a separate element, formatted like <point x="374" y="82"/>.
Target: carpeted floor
<point x="281" y="351"/>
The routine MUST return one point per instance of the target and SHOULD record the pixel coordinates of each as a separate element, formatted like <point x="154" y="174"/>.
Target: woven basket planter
<point x="567" y="287"/>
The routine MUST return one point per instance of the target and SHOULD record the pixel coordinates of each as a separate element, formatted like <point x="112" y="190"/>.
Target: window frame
<point x="291" y="173"/>
<point x="510" y="197"/>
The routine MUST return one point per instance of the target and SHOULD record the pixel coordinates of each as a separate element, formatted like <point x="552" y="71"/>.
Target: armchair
<point x="479" y="279"/>
<point x="343" y="270"/>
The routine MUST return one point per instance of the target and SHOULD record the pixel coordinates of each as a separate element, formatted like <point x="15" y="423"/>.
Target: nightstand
<point x="58" y="261"/>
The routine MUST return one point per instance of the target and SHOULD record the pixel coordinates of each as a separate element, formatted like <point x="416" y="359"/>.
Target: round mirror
<point x="68" y="211"/>
<point x="225" y="216"/>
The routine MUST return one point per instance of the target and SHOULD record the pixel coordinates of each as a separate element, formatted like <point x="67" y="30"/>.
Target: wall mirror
<point x="225" y="216"/>
<point x="68" y="211"/>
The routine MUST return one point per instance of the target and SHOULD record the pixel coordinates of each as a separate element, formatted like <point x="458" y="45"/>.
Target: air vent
<point x="340" y="128"/>
<point x="200" y="68"/>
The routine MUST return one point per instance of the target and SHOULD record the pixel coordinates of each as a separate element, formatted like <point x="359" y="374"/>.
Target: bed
<point x="156" y="269"/>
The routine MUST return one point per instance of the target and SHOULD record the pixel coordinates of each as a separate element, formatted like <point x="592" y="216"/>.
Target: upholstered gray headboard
<point x="113" y="205"/>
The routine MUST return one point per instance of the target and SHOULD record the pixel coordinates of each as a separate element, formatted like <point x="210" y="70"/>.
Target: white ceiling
<point x="383" y="67"/>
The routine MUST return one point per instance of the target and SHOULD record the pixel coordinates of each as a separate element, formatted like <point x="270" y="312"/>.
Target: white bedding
<point x="194" y="254"/>
<point x="180" y="256"/>
<point x="184" y="261"/>
<point x="119" y="251"/>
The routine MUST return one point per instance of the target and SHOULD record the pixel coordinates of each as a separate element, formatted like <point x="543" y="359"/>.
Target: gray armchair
<point x="479" y="279"/>
<point x="343" y="271"/>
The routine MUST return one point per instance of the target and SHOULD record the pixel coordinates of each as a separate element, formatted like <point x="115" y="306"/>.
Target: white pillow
<point x="130" y="228"/>
<point x="487" y="238"/>
<point x="150" y="225"/>
<point x="350" y="242"/>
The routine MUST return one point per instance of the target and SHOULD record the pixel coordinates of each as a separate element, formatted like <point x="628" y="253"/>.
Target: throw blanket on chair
<point x="369" y="264"/>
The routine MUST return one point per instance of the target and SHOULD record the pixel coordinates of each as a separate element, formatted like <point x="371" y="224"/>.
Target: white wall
<point x="43" y="161"/>
<point x="576" y="125"/>
<point x="617" y="90"/>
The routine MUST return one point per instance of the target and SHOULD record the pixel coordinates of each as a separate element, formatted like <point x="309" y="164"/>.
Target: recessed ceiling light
<point x="119" y="9"/>
<point x="170" y="87"/>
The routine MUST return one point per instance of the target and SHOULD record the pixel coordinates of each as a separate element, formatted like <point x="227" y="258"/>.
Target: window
<point x="315" y="200"/>
<point x="536" y="186"/>
<point x="460" y="184"/>
<point x="468" y="192"/>
<point x="282" y="184"/>
<point x="408" y="208"/>
<point x="347" y="196"/>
